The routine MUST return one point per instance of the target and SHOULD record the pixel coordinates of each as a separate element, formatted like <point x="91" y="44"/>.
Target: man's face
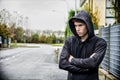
<point x="80" y="28"/>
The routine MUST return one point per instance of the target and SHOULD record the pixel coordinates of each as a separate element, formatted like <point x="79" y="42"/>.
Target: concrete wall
<point x="101" y="6"/>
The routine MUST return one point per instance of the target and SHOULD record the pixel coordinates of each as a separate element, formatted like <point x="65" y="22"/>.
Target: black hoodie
<point x="82" y="67"/>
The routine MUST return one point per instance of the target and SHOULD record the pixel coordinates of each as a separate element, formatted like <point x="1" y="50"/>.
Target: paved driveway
<point x="30" y="64"/>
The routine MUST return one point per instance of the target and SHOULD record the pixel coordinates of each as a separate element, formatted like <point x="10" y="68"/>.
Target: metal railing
<point x="111" y="61"/>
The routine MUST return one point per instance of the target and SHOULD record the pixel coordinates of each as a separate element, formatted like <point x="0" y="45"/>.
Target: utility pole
<point x="75" y="7"/>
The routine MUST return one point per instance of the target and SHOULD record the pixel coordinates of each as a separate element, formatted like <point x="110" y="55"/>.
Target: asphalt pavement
<point x="30" y="64"/>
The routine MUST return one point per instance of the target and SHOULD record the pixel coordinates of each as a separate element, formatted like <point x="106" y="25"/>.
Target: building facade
<point x="107" y="10"/>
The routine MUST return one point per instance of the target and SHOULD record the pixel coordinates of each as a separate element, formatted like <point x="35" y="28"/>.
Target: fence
<point x="111" y="61"/>
<point x="5" y="42"/>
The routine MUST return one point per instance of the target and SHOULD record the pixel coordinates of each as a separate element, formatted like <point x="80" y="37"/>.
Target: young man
<point x="83" y="52"/>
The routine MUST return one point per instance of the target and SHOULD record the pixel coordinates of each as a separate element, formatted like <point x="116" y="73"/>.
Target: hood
<point x="84" y="16"/>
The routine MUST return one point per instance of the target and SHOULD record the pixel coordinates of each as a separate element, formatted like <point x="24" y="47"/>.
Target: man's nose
<point x="77" y="29"/>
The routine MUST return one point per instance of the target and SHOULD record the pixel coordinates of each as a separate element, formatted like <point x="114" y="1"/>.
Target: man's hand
<point x="92" y="55"/>
<point x="70" y="58"/>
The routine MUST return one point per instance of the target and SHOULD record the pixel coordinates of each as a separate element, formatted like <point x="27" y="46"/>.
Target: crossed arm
<point x="66" y="65"/>
<point x="69" y="63"/>
<point x="71" y="57"/>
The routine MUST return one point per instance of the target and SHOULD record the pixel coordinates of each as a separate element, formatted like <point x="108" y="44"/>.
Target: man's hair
<point x="78" y="20"/>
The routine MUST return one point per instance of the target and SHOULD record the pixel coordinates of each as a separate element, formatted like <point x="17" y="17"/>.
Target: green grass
<point x="61" y="44"/>
<point x="13" y="45"/>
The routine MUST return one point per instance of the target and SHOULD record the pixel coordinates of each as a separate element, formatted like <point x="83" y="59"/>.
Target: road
<point x="30" y="64"/>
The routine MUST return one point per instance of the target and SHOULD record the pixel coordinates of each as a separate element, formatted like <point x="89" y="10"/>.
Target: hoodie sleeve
<point x="100" y="49"/>
<point x="64" y="63"/>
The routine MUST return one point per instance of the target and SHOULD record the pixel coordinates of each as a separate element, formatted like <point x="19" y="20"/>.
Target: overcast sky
<point x="43" y="14"/>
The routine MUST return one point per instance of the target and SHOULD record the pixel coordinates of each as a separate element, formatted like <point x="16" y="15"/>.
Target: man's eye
<point x="79" y="25"/>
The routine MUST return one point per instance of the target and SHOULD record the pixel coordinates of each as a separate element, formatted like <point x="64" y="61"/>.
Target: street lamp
<point x="75" y="7"/>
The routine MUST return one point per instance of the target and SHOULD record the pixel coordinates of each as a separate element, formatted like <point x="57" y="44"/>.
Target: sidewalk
<point x="104" y="75"/>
